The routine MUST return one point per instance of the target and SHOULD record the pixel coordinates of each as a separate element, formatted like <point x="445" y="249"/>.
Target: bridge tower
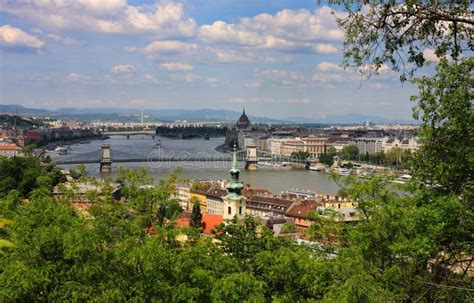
<point x="251" y="158"/>
<point x="105" y="161"/>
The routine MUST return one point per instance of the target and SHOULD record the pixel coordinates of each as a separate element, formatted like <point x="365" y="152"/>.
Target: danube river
<point x="273" y="179"/>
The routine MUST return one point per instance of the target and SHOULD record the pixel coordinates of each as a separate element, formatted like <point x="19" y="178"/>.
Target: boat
<point x="272" y="164"/>
<point x="342" y="172"/>
<point x="61" y="150"/>
<point x="317" y="167"/>
<point x="402" y="179"/>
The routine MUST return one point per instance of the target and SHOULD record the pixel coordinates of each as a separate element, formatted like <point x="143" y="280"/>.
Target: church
<point x="235" y="135"/>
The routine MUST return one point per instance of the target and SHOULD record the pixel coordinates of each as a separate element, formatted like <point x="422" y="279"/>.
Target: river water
<point x="273" y="179"/>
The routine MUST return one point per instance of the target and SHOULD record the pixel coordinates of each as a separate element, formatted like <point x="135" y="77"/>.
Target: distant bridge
<point x="129" y="133"/>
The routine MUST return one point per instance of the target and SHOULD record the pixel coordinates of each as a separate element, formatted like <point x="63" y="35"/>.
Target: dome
<point x="243" y="121"/>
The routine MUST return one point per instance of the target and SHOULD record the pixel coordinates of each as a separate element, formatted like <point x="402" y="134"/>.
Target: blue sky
<point x="276" y="58"/>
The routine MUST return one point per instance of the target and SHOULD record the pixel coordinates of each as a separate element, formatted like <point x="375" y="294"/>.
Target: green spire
<point x="234" y="159"/>
<point x="234" y="186"/>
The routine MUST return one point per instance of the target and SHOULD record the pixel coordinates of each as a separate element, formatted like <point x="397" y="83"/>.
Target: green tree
<point x="350" y="152"/>
<point x="327" y="159"/>
<point x="300" y="155"/>
<point x="414" y="247"/>
<point x="444" y="105"/>
<point x="196" y="216"/>
<point x="244" y="240"/>
<point x="238" y="287"/>
<point x="402" y="34"/>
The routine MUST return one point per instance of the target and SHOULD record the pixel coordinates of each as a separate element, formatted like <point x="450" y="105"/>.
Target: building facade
<point x="289" y="147"/>
<point x="369" y="145"/>
<point x="215" y="201"/>
<point x="315" y="146"/>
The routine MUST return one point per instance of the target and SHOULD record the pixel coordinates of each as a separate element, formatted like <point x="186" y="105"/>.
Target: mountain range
<point x="128" y="114"/>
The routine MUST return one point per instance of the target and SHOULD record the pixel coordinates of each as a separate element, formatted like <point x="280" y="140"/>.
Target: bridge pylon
<point x="105" y="161"/>
<point x="251" y="157"/>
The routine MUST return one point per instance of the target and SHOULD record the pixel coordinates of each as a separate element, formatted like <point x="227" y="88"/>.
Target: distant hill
<point x="350" y="118"/>
<point x="25" y="111"/>
<point x="21" y="122"/>
<point x="222" y="115"/>
<point x="171" y="114"/>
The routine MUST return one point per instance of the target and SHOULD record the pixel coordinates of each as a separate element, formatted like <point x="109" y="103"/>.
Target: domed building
<point x="243" y="122"/>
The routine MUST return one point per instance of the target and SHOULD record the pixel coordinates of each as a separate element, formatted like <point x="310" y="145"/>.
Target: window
<point x="240" y="210"/>
<point x="229" y="210"/>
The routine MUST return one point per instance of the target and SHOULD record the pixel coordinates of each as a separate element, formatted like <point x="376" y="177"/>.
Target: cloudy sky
<point x="276" y="58"/>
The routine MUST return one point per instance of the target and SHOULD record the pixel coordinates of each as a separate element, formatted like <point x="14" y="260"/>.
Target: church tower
<point x="234" y="202"/>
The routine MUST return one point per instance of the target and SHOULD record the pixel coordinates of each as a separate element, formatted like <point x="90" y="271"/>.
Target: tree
<point x="243" y="241"/>
<point x="196" y="216"/>
<point x="416" y="247"/>
<point x="350" y="152"/>
<point x="300" y="155"/>
<point x="444" y="105"/>
<point x="328" y="157"/>
<point x="238" y="287"/>
<point x="403" y="35"/>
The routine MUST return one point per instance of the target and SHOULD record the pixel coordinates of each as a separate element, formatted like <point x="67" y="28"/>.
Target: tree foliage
<point x="403" y="35"/>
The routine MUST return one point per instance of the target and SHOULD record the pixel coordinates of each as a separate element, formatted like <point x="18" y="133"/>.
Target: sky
<point x="275" y="58"/>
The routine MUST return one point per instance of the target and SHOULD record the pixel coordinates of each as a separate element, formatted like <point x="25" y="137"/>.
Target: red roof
<point x="209" y="222"/>
<point x="183" y="220"/>
<point x="302" y="210"/>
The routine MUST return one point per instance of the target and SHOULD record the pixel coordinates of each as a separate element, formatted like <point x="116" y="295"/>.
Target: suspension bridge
<point x="106" y="156"/>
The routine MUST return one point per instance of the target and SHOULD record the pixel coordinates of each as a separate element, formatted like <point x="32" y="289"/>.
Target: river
<point x="273" y="179"/>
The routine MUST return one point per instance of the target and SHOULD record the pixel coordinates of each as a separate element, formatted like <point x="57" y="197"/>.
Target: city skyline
<point x="276" y="60"/>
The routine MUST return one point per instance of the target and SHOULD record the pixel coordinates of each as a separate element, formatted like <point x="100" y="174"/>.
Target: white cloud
<point x="123" y="69"/>
<point x="324" y="48"/>
<point x="329" y="74"/>
<point x="177" y="66"/>
<point x="163" y="19"/>
<point x="169" y="47"/>
<point x="65" y="40"/>
<point x="77" y="78"/>
<point x="252" y="84"/>
<point x="298" y="101"/>
<point x="195" y="80"/>
<point x="268" y="100"/>
<point x="429" y="55"/>
<point x="282" y="78"/>
<point x="220" y="31"/>
<point x="15" y="37"/>
<point x="287" y="31"/>
<point x="377" y="85"/>
<point x="232" y="56"/>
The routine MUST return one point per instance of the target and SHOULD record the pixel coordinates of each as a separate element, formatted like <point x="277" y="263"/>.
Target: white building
<point x="410" y="144"/>
<point x="184" y="195"/>
<point x="369" y="145"/>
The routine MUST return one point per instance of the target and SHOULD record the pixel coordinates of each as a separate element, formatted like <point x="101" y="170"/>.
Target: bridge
<point x="129" y="133"/>
<point x="106" y="156"/>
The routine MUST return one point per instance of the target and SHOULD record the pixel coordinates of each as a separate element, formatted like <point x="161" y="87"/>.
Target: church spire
<point x="234" y="185"/>
<point x="234" y="203"/>
<point x="234" y="159"/>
